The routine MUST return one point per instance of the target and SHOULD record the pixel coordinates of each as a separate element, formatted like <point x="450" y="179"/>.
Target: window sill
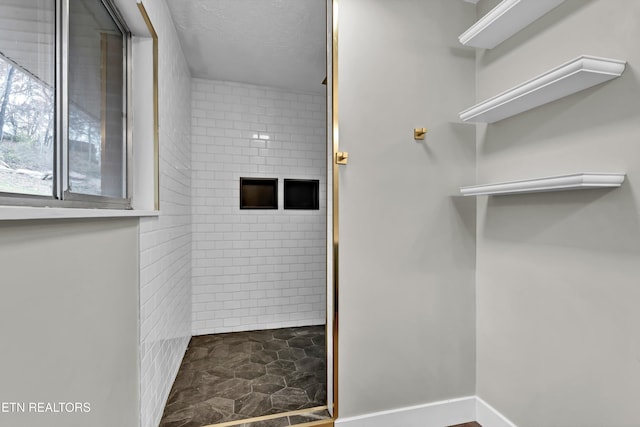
<point x="27" y="212"/>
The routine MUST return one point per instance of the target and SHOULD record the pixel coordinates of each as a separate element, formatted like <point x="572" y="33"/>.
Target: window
<point x="63" y="104"/>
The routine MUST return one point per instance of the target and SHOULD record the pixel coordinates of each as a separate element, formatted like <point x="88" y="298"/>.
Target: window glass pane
<point x="27" y="50"/>
<point x="97" y="147"/>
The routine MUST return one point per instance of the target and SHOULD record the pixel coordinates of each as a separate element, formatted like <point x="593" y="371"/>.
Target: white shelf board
<point x="578" y="74"/>
<point x="579" y="181"/>
<point x="504" y="20"/>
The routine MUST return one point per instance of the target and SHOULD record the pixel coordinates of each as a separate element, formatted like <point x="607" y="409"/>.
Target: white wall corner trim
<point x="487" y="416"/>
<point x="436" y="414"/>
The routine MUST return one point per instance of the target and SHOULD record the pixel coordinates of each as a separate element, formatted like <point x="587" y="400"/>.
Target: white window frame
<point x="143" y="133"/>
<point x="62" y="196"/>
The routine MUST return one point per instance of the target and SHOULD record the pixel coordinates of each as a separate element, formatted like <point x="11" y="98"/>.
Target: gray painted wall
<point x="68" y="320"/>
<point x="407" y="249"/>
<point x="558" y="272"/>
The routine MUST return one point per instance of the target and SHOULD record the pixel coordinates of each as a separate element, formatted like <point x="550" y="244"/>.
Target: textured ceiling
<point x="266" y="42"/>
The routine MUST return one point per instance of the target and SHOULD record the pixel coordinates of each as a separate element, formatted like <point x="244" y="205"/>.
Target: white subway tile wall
<point x="256" y="269"/>
<point x="165" y="242"/>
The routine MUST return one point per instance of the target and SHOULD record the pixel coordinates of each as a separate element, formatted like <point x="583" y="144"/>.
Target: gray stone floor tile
<point x="236" y="376"/>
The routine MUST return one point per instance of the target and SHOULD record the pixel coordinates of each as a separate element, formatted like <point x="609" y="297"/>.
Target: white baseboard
<point x="487" y="416"/>
<point x="437" y="414"/>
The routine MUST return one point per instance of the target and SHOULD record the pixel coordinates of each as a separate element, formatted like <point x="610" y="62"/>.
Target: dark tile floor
<point x="241" y="375"/>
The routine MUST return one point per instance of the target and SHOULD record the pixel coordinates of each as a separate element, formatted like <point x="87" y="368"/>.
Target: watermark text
<point x="44" y="407"/>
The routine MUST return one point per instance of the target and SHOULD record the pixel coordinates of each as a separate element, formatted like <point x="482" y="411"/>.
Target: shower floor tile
<point x="241" y="375"/>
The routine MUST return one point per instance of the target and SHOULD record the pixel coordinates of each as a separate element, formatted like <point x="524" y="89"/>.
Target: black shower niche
<point x="258" y="193"/>
<point x="301" y="194"/>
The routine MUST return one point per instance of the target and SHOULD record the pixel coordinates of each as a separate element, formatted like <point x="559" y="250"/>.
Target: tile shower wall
<point x="255" y="269"/>
<point x="165" y="242"/>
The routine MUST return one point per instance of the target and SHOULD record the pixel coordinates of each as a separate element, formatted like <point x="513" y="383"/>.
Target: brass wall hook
<point x="342" y="158"/>
<point x="419" y="133"/>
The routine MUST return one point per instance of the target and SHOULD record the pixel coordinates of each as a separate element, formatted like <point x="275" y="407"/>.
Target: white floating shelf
<point x="504" y="20"/>
<point x="580" y="181"/>
<point x="564" y="80"/>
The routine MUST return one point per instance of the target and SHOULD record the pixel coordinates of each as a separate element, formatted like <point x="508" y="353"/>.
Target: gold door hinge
<point x="342" y="157"/>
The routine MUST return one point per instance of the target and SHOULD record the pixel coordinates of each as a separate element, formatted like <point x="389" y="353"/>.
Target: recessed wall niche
<point x="301" y="194"/>
<point x="258" y="193"/>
